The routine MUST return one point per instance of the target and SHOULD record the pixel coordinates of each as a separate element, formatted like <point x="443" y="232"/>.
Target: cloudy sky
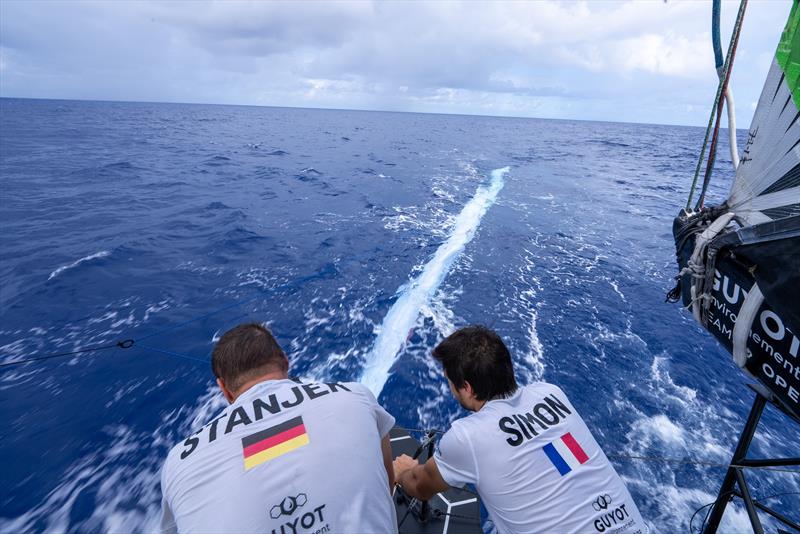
<point x="632" y="61"/>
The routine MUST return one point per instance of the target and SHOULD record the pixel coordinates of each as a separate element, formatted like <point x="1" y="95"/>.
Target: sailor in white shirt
<point x="284" y="457"/>
<point x="526" y="450"/>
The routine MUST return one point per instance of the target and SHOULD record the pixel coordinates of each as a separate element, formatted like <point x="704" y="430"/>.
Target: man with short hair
<point x="285" y="456"/>
<point x="526" y="450"/>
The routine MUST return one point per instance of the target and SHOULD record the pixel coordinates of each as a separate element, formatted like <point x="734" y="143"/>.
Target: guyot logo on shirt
<point x="312" y="520"/>
<point x="601" y="503"/>
<point x="611" y="517"/>
<point x="288" y="506"/>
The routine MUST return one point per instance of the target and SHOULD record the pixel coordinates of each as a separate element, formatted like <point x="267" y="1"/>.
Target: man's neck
<point x="263" y="378"/>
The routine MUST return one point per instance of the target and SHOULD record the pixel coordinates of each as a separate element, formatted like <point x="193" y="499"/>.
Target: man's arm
<point x="386" y="449"/>
<point x="419" y="481"/>
<point x="168" y="525"/>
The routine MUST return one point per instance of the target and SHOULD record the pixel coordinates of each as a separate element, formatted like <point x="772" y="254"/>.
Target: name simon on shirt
<point x="543" y="415"/>
<point x="260" y="408"/>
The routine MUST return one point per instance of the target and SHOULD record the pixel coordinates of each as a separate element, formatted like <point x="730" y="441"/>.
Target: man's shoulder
<point x="464" y="427"/>
<point x="173" y="458"/>
<point x="181" y="453"/>
<point x="542" y="386"/>
<point x="358" y="389"/>
<point x="536" y="391"/>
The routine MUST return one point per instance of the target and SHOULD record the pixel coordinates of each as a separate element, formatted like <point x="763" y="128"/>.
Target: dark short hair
<point x="477" y="355"/>
<point x="246" y="352"/>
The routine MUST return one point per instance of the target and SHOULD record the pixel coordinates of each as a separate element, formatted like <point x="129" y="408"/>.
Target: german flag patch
<point x="272" y="442"/>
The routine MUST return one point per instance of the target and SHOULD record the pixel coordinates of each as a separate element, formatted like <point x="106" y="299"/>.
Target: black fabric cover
<point x="768" y="254"/>
<point x="777" y="261"/>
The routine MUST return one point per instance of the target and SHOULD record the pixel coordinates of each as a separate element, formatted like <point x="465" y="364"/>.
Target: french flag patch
<point x="565" y="454"/>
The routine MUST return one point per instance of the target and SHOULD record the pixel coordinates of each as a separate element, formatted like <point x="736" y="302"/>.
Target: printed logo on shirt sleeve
<point x="273" y="442"/>
<point x="566" y="454"/>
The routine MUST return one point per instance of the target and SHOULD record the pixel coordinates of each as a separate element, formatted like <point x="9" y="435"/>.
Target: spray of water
<point x="418" y="292"/>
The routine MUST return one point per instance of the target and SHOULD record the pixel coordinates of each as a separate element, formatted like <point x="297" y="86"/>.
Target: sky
<point x="627" y="61"/>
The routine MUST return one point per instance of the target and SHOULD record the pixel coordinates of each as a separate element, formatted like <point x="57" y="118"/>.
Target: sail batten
<point x="767" y="177"/>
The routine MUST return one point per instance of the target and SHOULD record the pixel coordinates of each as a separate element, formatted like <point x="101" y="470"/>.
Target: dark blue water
<point x="120" y="220"/>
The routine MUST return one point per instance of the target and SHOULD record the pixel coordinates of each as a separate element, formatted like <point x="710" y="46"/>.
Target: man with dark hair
<point x="285" y="456"/>
<point x="533" y="460"/>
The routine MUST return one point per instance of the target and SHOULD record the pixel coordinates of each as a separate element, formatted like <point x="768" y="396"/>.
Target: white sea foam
<point x="101" y="254"/>
<point x="418" y="292"/>
<point x="125" y="492"/>
<point x="691" y="429"/>
<point x="526" y="305"/>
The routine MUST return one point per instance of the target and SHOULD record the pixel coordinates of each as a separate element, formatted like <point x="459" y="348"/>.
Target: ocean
<point x="361" y="239"/>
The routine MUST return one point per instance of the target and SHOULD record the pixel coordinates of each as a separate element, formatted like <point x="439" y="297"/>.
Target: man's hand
<point x="420" y="481"/>
<point x="402" y="464"/>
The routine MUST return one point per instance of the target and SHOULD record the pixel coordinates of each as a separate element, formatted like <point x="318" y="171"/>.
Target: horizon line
<point x="3" y="97"/>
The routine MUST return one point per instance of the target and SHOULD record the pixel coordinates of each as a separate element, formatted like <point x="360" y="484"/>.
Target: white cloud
<point x="668" y="54"/>
<point x="568" y="59"/>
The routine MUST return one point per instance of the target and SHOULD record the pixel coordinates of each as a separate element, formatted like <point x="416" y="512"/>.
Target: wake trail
<point x="418" y="292"/>
<point x="101" y="254"/>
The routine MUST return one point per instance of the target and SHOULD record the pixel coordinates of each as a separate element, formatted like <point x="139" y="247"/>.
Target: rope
<point x="705" y="519"/>
<point x="681" y="461"/>
<point x="408" y="511"/>
<point x="723" y="85"/>
<point x="723" y="82"/>
<point x="124" y="344"/>
<point x="128" y="343"/>
<point x="684" y="461"/>
<point x="648" y="458"/>
<point x="176" y="354"/>
<point x="437" y="513"/>
<point x="421" y="430"/>
<point x="726" y="495"/>
<point x="715" y="39"/>
<point x="199" y="317"/>
<point x="715" y="13"/>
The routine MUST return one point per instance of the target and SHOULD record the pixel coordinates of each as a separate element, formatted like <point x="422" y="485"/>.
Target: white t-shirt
<point x="537" y="467"/>
<point x="284" y="458"/>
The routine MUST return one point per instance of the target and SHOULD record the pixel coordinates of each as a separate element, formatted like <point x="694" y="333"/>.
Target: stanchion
<point x="739" y="462"/>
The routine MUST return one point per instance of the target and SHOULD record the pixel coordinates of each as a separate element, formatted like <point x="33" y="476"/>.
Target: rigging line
<point x="171" y="353"/>
<point x="728" y="67"/>
<point x="720" y="91"/>
<point x="127" y="343"/>
<point x="715" y="38"/>
<point x="437" y="513"/>
<point x="728" y="494"/>
<point x="651" y="458"/>
<point x="205" y="315"/>
<point x="124" y="344"/>
<point x="705" y="519"/>
<point x="699" y="462"/>
<point x="420" y="430"/>
<point x="279" y="287"/>
<point x="777" y="495"/>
